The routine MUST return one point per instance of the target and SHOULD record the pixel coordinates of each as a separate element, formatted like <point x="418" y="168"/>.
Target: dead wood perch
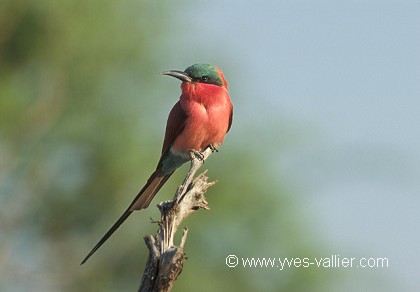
<point x="166" y="260"/>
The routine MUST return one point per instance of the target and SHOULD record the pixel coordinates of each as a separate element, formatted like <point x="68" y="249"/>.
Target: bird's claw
<point x="213" y="148"/>
<point x="196" y="154"/>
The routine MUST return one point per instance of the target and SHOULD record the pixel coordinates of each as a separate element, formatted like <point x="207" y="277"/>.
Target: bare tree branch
<point x="166" y="260"/>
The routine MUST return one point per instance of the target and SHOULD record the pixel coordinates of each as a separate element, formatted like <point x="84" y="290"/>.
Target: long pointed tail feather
<point x="107" y="235"/>
<point x="141" y="201"/>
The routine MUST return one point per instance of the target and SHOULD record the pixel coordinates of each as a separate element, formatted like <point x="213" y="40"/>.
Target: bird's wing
<point x="176" y="123"/>
<point x="174" y="126"/>
<point x="230" y="119"/>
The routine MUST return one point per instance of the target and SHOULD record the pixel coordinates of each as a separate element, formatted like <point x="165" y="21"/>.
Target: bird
<point x="199" y="119"/>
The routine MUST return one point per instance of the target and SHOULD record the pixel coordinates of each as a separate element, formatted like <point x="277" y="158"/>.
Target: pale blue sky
<point x="338" y="83"/>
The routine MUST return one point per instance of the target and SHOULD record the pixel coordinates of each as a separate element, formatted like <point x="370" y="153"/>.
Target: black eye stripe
<point x="208" y="79"/>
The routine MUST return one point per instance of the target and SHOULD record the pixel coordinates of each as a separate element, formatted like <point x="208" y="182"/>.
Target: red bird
<point x="200" y="119"/>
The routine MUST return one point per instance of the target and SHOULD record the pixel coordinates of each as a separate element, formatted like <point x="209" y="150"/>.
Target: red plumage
<point x="208" y="116"/>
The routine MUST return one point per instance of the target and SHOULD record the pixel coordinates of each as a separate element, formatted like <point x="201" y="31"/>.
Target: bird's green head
<point x="203" y="73"/>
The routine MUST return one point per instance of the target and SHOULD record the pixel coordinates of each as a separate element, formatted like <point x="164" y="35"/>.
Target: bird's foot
<point x="213" y="148"/>
<point x="196" y="154"/>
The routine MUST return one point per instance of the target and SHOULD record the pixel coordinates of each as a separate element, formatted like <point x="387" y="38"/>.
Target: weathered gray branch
<point x="166" y="260"/>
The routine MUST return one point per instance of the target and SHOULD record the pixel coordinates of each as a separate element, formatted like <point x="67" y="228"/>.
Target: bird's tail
<point x="141" y="201"/>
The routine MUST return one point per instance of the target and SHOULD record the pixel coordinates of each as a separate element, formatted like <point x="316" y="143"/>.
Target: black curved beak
<point x="178" y="74"/>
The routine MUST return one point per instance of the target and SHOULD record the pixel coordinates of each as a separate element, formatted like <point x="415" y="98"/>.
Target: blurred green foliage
<point x="82" y="115"/>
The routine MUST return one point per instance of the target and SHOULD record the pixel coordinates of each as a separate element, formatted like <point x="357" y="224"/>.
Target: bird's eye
<point x="205" y="78"/>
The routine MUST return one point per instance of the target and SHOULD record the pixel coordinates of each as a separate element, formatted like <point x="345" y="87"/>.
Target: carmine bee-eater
<point x="200" y="119"/>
